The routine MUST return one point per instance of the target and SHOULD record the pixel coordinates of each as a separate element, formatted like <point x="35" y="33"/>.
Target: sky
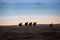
<point x="30" y="1"/>
<point x="13" y="14"/>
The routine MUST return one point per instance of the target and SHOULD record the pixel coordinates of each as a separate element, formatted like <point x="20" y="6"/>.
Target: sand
<point x="38" y="32"/>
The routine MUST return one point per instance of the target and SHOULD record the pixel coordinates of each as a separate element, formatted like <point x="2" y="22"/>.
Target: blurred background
<point x="42" y="11"/>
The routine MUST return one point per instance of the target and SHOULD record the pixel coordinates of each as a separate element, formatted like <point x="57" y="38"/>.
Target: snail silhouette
<point x="30" y="24"/>
<point x="26" y="24"/>
<point x="20" y="24"/>
<point x="34" y="24"/>
<point x="51" y="25"/>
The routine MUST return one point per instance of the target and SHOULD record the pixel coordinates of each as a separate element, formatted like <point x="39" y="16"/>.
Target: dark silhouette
<point x="30" y="24"/>
<point x="20" y="24"/>
<point x="34" y="24"/>
<point x="51" y="25"/>
<point x="26" y="24"/>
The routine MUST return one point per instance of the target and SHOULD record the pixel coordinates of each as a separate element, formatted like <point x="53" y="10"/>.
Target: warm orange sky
<point x="39" y="20"/>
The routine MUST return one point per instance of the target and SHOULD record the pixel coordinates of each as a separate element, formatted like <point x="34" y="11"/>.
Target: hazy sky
<point x="13" y="9"/>
<point x="10" y="11"/>
<point x="30" y="1"/>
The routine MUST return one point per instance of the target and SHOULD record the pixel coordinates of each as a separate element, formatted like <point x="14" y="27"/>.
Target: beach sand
<point x="38" y="32"/>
